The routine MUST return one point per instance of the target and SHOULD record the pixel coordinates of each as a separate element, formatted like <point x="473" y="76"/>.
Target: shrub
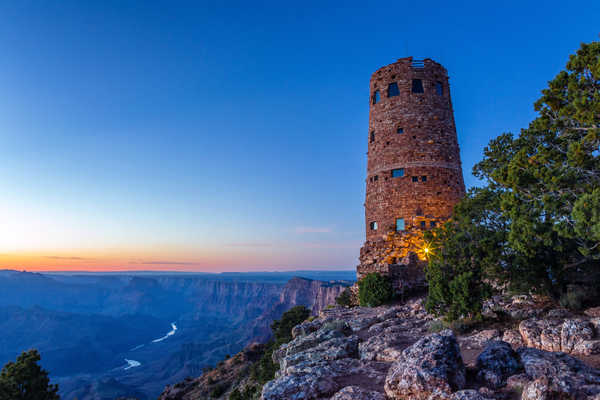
<point x="374" y="290"/>
<point x="219" y="390"/>
<point x="436" y="326"/>
<point x="576" y="297"/>
<point x="264" y="370"/>
<point x="26" y="380"/>
<point x="345" y="298"/>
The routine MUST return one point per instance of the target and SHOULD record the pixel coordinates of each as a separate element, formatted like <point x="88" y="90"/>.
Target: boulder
<point x="573" y="333"/>
<point x="513" y="337"/>
<point x="357" y="393"/>
<point x="496" y="363"/>
<point x="555" y="335"/>
<point x="383" y="347"/>
<point x="332" y="349"/>
<point x="469" y="394"/>
<point x="431" y="369"/>
<point x="593" y="312"/>
<point x="557" y="376"/>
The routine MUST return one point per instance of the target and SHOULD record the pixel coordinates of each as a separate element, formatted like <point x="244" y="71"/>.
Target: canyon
<point x="104" y="336"/>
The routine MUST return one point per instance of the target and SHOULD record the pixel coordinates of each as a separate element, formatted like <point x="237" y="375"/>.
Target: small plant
<point x="218" y="390"/>
<point x="436" y="326"/>
<point x="374" y="290"/>
<point x="329" y="306"/>
<point x="345" y="298"/>
<point x="575" y="298"/>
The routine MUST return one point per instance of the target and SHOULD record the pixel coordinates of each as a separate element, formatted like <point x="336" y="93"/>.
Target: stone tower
<point x="414" y="174"/>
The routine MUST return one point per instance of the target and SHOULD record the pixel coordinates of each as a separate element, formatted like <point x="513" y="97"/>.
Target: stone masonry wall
<point x="413" y="132"/>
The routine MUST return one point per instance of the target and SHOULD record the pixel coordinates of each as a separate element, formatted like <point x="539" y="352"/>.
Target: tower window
<point x="393" y="90"/>
<point x="372" y="136"/>
<point x="432" y="224"/>
<point x="422" y="224"/>
<point x="419" y="212"/>
<point x="400" y="131"/>
<point x="439" y="88"/>
<point x="376" y="97"/>
<point x="373" y="226"/>
<point x="399" y="224"/>
<point x="376" y="178"/>
<point x="423" y="178"/>
<point x="415" y="179"/>
<point x="398" y="173"/>
<point x="417" y="86"/>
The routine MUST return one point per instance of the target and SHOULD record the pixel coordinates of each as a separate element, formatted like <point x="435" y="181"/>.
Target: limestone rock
<point x="573" y="333"/>
<point x="469" y="394"/>
<point x="496" y="363"/>
<point x="431" y="369"/>
<point x="357" y="393"/>
<point x="557" y="376"/>
<point x="383" y="347"/>
<point x="593" y="312"/>
<point x="513" y="337"/>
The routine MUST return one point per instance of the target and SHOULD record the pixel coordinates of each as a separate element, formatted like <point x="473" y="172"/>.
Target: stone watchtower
<point x="414" y="174"/>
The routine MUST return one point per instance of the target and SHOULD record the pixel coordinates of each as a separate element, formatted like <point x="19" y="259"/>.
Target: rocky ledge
<point x="388" y="353"/>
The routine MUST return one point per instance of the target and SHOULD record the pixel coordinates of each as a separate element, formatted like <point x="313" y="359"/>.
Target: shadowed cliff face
<point x="114" y="318"/>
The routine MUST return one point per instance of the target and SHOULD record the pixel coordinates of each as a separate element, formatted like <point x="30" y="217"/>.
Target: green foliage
<point x="577" y="297"/>
<point x="436" y="326"/>
<point x="345" y="298"/>
<point x="248" y="393"/>
<point x="26" y="380"/>
<point x="282" y="329"/>
<point x="264" y="370"/>
<point x="374" y="290"/>
<point x="219" y="390"/>
<point x="535" y="225"/>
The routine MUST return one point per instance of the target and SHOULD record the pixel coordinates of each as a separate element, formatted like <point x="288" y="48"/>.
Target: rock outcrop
<point x="432" y="368"/>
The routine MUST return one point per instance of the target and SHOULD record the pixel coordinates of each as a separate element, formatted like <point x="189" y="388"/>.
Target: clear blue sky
<point x="232" y="136"/>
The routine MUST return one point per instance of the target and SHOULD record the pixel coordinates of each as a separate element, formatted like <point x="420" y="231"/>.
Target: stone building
<point x="414" y="174"/>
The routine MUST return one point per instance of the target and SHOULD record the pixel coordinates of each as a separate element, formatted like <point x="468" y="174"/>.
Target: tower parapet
<point x="414" y="172"/>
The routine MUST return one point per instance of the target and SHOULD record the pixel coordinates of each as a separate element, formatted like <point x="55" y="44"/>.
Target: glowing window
<point x="398" y="173"/>
<point x="399" y="224"/>
<point x="393" y="90"/>
<point x="373" y="226"/>
<point x="432" y="224"/>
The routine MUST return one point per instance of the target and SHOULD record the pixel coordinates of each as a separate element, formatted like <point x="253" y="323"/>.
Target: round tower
<point x="414" y="174"/>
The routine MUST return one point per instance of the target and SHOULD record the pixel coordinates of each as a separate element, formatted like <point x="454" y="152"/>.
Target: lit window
<point x="417" y="86"/>
<point x="372" y="136"/>
<point x="398" y="173"/>
<point x="373" y="226"/>
<point x="399" y="224"/>
<point x="432" y="224"/>
<point x="376" y="97"/>
<point x="400" y="131"/>
<point x="423" y="178"/>
<point x="393" y="90"/>
<point x="422" y="224"/>
<point x="415" y="179"/>
<point x="439" y="88"/>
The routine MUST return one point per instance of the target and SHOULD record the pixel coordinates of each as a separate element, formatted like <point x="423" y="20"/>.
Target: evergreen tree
<point x="535" y="225"/>
<point x="26" y="380"/>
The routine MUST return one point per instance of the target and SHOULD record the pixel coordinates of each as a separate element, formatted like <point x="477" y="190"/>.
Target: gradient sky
<point x="221" y="136"/>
